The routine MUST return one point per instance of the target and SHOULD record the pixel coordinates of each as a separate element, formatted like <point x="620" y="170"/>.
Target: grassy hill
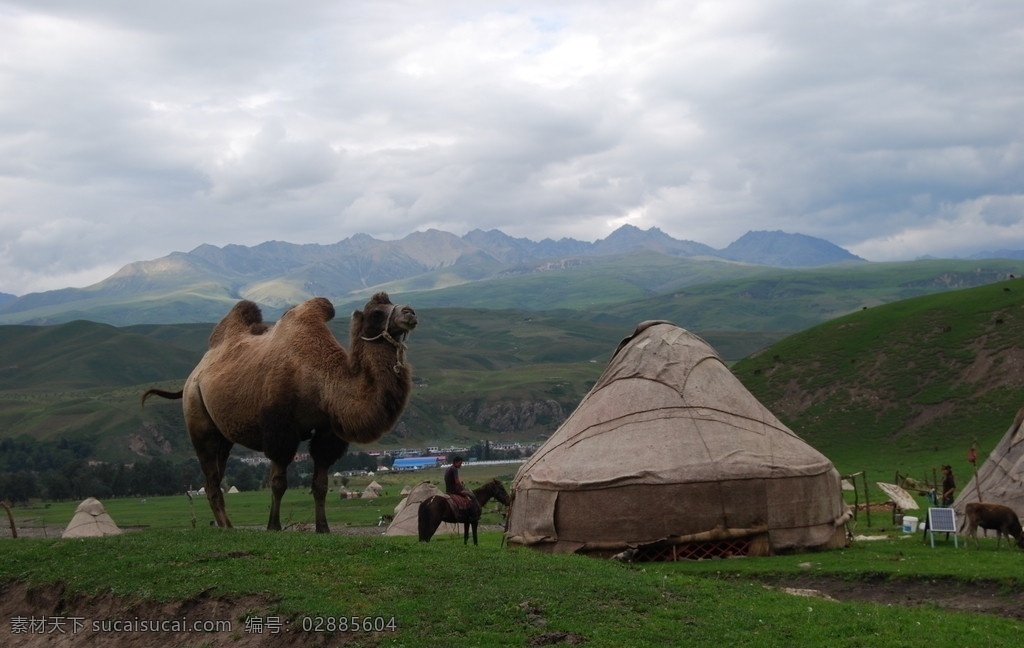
<point x="906" y="386"/>
<point x="921" y="377"/>
<point x="480" y="374"/>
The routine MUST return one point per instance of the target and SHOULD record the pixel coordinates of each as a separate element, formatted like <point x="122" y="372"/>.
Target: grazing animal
<point x="992" y="516"/>
<point x="269" y="388"/>
<point x="439" y="508"/>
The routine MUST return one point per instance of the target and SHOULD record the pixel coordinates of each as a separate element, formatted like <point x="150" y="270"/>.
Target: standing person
<point x="948" y="485"/>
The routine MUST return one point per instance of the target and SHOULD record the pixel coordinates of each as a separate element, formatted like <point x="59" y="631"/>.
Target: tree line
<point x="61" y="471"/>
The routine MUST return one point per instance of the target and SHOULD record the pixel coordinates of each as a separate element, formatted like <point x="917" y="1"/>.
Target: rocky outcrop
<point x="505" y="417"/>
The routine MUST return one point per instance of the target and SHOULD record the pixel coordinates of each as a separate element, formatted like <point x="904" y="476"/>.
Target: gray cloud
<point x="130" y="130"/>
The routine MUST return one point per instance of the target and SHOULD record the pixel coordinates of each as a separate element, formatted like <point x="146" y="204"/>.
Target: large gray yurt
<point x="669" y="456"/>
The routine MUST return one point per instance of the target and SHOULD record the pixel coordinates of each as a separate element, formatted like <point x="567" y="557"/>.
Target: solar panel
<point x="942" y="520"/>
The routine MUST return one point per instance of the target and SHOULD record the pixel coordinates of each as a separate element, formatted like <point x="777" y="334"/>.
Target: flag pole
<point x="972" y="457"/>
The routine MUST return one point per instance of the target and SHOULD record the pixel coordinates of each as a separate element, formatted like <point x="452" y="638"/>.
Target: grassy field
<point x="250" y="509"/>
<point x="303" y="584"/>
<point x="490" y="595"/>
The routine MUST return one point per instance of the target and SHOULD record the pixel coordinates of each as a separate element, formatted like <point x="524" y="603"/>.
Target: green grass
<point x="251" y="509"/>
<point x="443" y="592"/>
<point x="491" y="595"/>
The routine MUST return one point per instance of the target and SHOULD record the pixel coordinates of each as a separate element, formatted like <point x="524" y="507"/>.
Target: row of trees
<point x="81" y="478"/>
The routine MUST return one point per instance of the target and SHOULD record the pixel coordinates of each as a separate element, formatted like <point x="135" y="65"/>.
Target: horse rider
<point x="454" y="488"/>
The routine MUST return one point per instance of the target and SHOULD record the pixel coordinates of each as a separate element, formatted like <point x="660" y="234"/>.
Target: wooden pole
<point x="972" y="456"/>
<point x="10" y="518"/>
<point x="867" y="498"/>
<point x="852" y="478"/>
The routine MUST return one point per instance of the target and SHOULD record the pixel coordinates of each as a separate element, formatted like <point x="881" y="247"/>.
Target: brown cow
<point x="993" y="516"/>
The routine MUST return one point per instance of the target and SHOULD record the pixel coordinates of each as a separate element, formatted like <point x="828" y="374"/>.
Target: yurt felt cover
<point x="1000" y="479"/>
<point x="670" y="445"/>
<point x="406" y="520"/>
<point x="90" y="520"/>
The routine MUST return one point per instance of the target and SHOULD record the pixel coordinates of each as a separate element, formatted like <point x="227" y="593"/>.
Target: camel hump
<point x="323" y="307"/>
<point x="317" y="309"/>
<point x="244" y="318"/>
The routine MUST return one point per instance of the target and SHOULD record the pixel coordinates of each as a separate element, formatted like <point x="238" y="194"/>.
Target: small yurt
<point x="669" y="456"/>
<point x="406" y="520"/>
<point x="373" y="490"/>
<point x="90" y="520"/>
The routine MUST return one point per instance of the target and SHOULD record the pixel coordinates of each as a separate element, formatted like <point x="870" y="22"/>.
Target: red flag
<point x="972" y="455"/>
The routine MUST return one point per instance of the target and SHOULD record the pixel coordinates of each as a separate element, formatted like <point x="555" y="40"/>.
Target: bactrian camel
<point x="269" y="388"/>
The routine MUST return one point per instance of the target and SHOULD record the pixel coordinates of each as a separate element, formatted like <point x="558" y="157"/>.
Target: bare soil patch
<point x="52" y="605"/>
<point x="980" y="597"/>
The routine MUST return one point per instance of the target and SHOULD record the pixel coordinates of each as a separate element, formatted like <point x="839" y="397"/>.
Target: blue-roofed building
<point x="417" y="463"/>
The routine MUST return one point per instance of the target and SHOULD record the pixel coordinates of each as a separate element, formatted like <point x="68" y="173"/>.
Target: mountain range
<point x="200" y="285"/>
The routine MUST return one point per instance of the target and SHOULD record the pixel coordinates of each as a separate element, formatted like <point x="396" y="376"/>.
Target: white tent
<point x="669" y="452"/>
<point x="90" y="520"/>
<point x="406" y="520"/>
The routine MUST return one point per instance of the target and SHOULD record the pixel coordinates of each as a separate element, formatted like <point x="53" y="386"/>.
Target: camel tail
<point x="162" y="394"/>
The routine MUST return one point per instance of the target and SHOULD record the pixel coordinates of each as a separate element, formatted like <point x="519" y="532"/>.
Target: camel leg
<point x="279" y="445"/>
<point x="325" y="448"/>
<point x="212" y="450"/>
<point x="319" y="489"/>
<point x="278" y="486"/>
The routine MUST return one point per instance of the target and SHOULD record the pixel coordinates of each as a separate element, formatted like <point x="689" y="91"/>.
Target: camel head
<point x="382" y="319"/>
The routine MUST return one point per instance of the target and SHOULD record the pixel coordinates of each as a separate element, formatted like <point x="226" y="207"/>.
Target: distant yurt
<point x="406" y="520"/>
<point x="372" y="490"/>
<point x="670" y="457"/>
<point x="90" y="520"/>
<point x="1000" y="479"/>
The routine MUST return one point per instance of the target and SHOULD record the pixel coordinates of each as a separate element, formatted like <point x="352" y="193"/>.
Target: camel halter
<point x="400" y="346"/>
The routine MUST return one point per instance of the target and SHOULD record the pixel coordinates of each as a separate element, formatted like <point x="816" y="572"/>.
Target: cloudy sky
<point x="129" y="130"/>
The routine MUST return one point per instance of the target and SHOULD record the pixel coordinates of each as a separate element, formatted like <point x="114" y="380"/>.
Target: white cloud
<point x="130" y="130"/>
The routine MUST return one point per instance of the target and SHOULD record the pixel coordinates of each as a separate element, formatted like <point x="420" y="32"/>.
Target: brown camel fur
<point x="269" y="388"/>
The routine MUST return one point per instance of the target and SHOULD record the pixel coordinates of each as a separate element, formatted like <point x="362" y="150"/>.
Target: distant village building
<point x="417" y="463"/>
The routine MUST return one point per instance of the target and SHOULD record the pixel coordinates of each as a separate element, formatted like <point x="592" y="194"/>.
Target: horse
<point x="439" y="508"/>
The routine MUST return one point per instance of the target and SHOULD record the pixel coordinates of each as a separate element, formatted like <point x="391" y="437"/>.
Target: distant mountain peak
<point x="277" y="273"/>
<point x="778" y="248"/>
